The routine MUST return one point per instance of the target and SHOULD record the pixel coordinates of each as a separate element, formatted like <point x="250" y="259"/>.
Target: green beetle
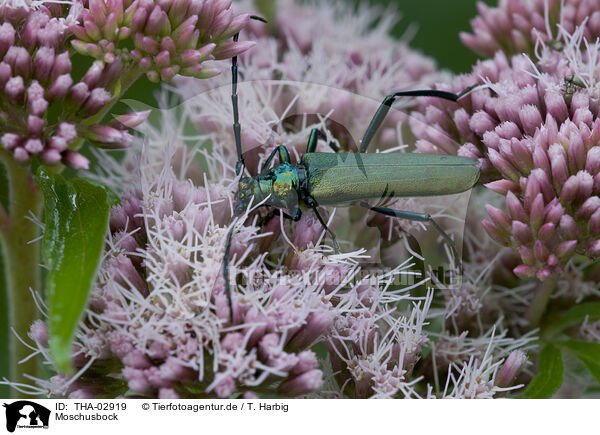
<point x="343" y="179"/>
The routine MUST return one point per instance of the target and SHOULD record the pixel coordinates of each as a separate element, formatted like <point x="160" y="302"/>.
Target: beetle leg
<point x="387" y="102"/>
<point x="284" y="154"/>
<point x="385" y="196"/>
<point x="336" y="247"/>
<point x="315" y="134"/>
<point x="420" y="217"/>
<point x="297" y="215"/>
<point x="267" y="218"/>
<point x="284" y="157"/>
<point x="294" y="217"/>
<point x="268" y="161"/>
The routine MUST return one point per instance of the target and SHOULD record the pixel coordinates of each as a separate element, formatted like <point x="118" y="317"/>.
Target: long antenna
<point x="238" y="167"/>
<point x="236" y="114"/>
<point x="234" y="101"/>
<point x="226" y="272"/>
<point x="386" y="104"/>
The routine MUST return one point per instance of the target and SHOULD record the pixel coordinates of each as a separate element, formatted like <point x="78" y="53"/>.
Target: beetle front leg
<point x="420" y="217"/>
<point x="294" y="217"/>
<point x="284" y="157"/>
<point x="297" y="214"/>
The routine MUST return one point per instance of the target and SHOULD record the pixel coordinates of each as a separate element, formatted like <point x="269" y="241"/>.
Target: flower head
<point x="535" y="131"/>
<point x="172" y="37"/>
<point x="37" y="81"/>
<point x="518" y="27"/>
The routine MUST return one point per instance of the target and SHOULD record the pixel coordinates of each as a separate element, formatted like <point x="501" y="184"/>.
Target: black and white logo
<point x="25" y="414"/>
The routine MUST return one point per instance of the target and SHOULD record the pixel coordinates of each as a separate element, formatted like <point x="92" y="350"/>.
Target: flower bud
<point x="510" y="369"/>
<point x="302" y="384"/>
<point x="75" y="160"/>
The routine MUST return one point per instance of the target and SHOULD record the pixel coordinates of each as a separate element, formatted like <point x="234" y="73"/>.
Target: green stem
<point x="540" y="301"/>
<point x="21" y="261"/>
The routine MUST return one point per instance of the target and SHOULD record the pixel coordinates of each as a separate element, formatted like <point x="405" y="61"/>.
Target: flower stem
<point x="21" y="260"/>
<point x="540" y="301"/>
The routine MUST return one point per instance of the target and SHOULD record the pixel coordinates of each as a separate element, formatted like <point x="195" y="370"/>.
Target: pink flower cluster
<point x="35" y="80"/>
<point x="169" y="37"/>
<point x="534" y="126"/>
<point x="47" y="112"/>
<point x="515" y="26"/>
<point x="158" y="323"/>
<point x="354" y="54"/>
<point x="159" y="319"/>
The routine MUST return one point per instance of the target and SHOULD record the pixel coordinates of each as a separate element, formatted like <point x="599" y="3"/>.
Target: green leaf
<point x="575" y="316"/>
<point x="111" y="196"/>
<point x="550" y="375"/>
<point x="588" y="353"/>
<point x="76" y="215"/>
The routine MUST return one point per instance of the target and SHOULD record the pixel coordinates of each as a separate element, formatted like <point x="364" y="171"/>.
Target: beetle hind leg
<point x="421" y="217"/>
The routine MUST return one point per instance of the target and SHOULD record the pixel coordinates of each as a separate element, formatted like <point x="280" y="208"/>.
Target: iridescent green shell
<point x="338" y="179"/>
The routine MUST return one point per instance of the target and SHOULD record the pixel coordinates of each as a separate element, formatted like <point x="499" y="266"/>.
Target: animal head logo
<point x="25" y="413"/>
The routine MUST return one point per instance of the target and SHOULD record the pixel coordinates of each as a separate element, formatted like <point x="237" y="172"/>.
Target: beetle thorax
<point x="279" y="186"/>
